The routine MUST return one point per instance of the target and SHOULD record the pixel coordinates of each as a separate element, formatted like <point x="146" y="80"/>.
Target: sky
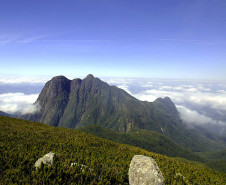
<point x="113" y="38"/>
<point x="149" y="48"/>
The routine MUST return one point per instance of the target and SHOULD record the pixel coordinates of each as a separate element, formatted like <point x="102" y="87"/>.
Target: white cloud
<point x="178" y="88"/>
<point x="215" y="101"/>
<point x="153" y="94"/>
<point x="125" y="88"/>
<point x="192" y="89"/>
<point x="166" y="87"/>
<point x="8" y="39"/>
<point x="194" y="117"/>
<point x="221" y="91"/>
<point x="117" y="81"/>
<point x="149" y="84"/>
<point x="30" y="39"/>
<point x="18" y="103"/>
<point x="180" y="95"/>
<point x="20" y="80"/>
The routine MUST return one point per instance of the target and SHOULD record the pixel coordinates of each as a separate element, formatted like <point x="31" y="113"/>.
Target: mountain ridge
<point x="4" y="114"/>
<point x="64" y="89"/>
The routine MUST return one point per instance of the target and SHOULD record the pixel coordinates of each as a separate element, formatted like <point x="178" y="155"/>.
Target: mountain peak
<point x="168" y="104"/>
<point x="89" y="76"/>
<point x="168" y="99"/>
<point x="59" y="78"/>
<point x="74" y="103"/>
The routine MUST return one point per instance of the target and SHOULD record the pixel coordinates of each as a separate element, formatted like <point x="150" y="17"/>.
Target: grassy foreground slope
<point x="23" y="142"/>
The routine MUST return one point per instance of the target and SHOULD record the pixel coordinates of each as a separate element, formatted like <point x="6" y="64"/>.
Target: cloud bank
<point x="19" y="103"/>
<point x="195" y="118"/>
<point x="23" y="80"/>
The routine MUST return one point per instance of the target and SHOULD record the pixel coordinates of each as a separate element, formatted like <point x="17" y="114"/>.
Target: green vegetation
<point x="217" y="160"/>
<point x="145" y="139"/>
<point x="219" y="165"/>
<point x="23" y="142"/>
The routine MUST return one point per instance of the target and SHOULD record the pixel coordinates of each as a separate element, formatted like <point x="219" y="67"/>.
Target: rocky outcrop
<point x="144" y="171"/>
<point x="46" y="159"/>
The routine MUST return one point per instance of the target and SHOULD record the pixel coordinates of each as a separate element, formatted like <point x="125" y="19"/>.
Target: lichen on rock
<point x="46" y="159"/>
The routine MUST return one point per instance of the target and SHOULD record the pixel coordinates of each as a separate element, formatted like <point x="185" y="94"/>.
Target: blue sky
<point x="119" y="38"/>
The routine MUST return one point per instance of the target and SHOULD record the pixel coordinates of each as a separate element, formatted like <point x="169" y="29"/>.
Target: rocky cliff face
<point x="74" y="103"/>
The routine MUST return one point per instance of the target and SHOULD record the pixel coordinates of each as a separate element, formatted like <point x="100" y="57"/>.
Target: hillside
<point x="145" y="139"/>
<point x="23" y="142"/>
<point x="78" y="103"/>
<point x="217" y="160"/>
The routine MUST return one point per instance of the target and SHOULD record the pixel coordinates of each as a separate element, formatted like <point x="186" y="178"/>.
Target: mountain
<point x="3" y="114"/>
<point x="97" y="160"/>
<point x="76" y="103"/>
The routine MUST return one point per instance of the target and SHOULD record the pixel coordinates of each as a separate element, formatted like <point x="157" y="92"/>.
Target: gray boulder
<point x="144" y="171"/>
<point x="46" y="159"/>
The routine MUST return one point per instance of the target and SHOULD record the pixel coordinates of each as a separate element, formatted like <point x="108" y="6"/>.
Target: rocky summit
<point x="75" y="103"/>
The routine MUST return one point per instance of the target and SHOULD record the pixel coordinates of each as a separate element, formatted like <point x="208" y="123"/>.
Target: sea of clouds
<point x="18" y="95"/>
<point x="200" y="103"/>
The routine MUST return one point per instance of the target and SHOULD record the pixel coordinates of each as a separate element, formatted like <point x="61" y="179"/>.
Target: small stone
<point x="144" y="171"/>
<point x="46" y="159"/>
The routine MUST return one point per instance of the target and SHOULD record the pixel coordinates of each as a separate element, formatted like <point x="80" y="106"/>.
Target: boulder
<point x="144" y="171"/>
<point x="46" y="159"/>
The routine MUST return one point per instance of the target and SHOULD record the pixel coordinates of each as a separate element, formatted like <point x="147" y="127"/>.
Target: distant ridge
<point x="4" y="114"/>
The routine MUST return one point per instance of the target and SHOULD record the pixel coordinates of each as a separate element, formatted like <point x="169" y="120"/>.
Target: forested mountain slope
<point x="145" y="139"/>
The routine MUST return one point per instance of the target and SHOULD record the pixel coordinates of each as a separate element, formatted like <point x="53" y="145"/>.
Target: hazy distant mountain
<point x="3" y="114"/>
<point x="75" y="103"/>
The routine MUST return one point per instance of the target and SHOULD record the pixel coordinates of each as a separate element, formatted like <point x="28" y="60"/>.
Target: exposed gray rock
<point x="46" y="159"/>
<point x="144" y="171"/>
<point x="77" y="164"/>
<point x="82" y="166"/>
